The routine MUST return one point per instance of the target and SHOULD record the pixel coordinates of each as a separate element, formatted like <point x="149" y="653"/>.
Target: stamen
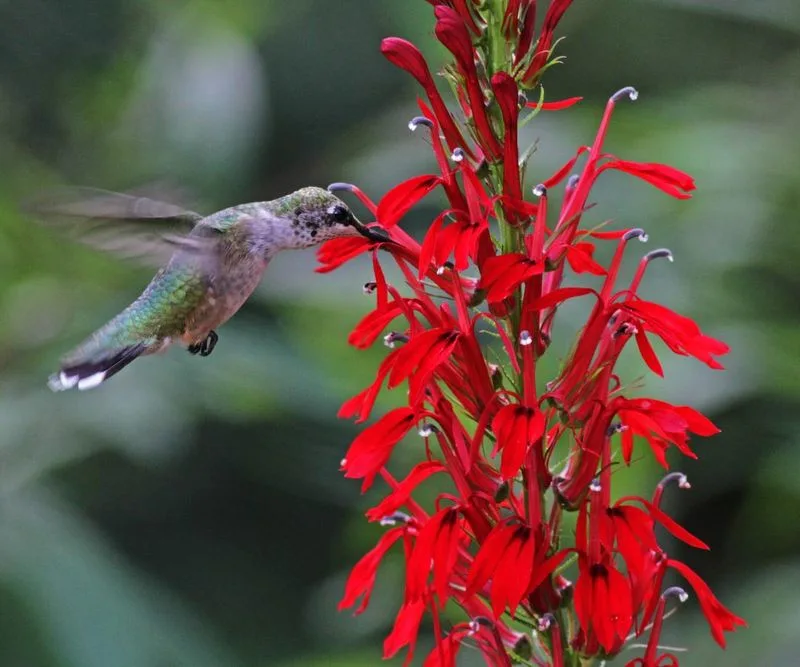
<point x="573" y="181"/>
<point x="677" y="592"/>
<point x="339" y="187"/>
<point x="681" y="479"/>
<point x="480" y="622"/>
<point x="678" y="477"/>
<point x="394" y="518"/>
<point x="393" y="337"/>
<point x="427" y="430"/>
<point x="628" y="91"/>
<point x="658" y="254"/>
<point x="540" y="190"/>
<point x="635" y="233"/>
<point x="615" y="428"/>
<point x="595" y="487"/>
<point x="416" y="121"/>
<point x="458" y="154"/>
<point x="370" y="287"/>
<point x="525" y="338"/>
<point x="545" y="622"/>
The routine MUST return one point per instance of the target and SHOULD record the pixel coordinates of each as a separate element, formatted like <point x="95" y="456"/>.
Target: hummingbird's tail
<point x="87" y="372"/>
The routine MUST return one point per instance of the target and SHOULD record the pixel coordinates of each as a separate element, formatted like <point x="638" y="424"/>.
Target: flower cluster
<point x="522" y="452"/>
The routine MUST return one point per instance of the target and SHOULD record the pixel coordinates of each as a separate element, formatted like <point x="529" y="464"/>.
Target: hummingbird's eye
<point x="340" y="214"/>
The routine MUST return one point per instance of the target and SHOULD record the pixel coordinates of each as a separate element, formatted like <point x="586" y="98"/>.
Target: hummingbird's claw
<point x="206" y="347"/>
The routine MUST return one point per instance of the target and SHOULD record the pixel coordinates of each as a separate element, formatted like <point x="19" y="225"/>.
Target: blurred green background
<point x="191" y="512"/>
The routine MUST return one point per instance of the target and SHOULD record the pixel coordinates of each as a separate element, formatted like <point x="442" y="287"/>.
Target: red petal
<point x="362" y="576"/>
<point x="673" y="181"/>
<point x="371" y="449"/>
<point x="720" y="618"/>
<point x="557" y="105"/>
<point x="397" y="202"/>
<point x="402" y="491"/>
<point x="405" y="629"/>
<point x="332" y="254"/>
<point x="501" y="275"/>
<point x="560" y="295"/>
<point x="648" y="353"/>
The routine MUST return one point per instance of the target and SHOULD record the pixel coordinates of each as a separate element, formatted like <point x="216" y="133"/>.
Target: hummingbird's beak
<point x="374" y="234"/>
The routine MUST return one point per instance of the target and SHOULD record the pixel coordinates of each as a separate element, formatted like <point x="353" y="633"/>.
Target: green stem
<point x="494" y="33"/>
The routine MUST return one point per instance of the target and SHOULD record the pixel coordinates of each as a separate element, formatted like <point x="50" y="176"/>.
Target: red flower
<point x="435" y="549"/>
<point x="603" y="603"/>
<point x="406" y="56"/>
<point x="510" y="559"/>
<point x="517" y="428"/>
<point x="661" y="424"/>
<point x="503" y="274"/>
<point x="492" y="542"/>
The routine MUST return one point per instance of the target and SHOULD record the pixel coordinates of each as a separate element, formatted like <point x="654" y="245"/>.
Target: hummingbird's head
<point x="317" y="215"/>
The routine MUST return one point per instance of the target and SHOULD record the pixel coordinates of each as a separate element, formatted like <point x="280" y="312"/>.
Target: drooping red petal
<point x="371" y="326"/>
<point x="720" y="618"/>
<point x="332" y="254"/>
<point x="371" y="449"/>
<point x="673" y="181"/>
<point x="648" y="353"/>
<point x="404" y="632"/>
<point x="556" y="105"/>
<point x="362" y="576"/>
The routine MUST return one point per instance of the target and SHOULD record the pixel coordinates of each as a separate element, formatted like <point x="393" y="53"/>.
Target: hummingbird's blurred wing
<point x="128" y="226"/>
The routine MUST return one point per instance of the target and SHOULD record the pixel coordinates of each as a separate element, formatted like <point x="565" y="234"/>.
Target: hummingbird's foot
<point x="206" y="347"/>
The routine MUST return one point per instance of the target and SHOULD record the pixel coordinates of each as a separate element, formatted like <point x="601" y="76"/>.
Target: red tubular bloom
<point x="406" y="56"/>
<point x="517" y="428"/>
<point x="452" y="32"/>
<point x="516" y="448"/>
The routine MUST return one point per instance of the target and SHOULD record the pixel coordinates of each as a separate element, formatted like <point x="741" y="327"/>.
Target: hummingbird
<point x="210" y="267"/>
